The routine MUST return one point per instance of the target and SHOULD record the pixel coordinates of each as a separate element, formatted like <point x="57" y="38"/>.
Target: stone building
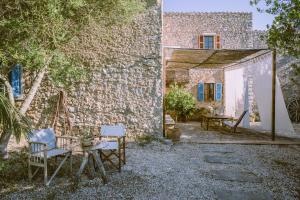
<point x="186" y="35"/>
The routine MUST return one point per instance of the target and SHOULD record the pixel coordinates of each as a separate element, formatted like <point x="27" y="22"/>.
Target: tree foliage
<point x="32" y="33"/>
<point x="180" y="102"/>
<point x="284" y="33"/>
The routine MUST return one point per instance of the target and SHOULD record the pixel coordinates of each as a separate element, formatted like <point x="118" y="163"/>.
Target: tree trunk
<point x="4" y="139"/>
<point x="35" y="86"/>
<point x="9" y="89"/>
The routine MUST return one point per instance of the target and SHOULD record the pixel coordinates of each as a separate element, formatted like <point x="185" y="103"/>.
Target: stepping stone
<point x="237" y="195"/>
<point x="234" y="175"/>
<point x="212" y="150"/>
<point x="222" y="159"/>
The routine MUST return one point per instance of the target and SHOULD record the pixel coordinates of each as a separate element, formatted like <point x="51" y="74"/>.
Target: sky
<point x="260" y="20"/>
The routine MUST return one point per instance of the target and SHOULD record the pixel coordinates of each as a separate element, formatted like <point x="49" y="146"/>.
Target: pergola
<point x="196" y="58"/>
<point x="182" y="60"/>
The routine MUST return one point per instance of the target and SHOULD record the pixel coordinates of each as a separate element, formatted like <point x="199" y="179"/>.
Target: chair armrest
<point x="40" y="143"/>
<point x="116" y="137"/>
<point x="38" y="147"/>
<point x="68" y="137"/>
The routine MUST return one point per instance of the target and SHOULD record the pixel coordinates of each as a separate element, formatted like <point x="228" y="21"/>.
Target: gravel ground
<point x="160" y="171"/>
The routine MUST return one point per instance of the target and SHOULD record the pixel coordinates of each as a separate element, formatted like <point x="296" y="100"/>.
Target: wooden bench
<point x="44" y="145"/>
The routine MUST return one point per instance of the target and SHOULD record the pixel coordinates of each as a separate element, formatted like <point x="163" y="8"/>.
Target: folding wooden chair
<point x="43" y="145"/>
<point x="115" y="148"/>
<point x="234" y="124"/>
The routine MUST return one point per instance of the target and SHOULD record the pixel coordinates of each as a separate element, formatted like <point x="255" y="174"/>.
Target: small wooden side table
<point x="90" y="154"/>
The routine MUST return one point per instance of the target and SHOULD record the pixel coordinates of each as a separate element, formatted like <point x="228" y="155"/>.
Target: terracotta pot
<point x="87" y="142"/>
<point x="173" y="134"/>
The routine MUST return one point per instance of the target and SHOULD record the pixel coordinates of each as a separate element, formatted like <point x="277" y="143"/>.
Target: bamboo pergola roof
<point x="208" y="58"/>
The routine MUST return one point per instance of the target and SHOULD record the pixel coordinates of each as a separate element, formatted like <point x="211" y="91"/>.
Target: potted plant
<point x="86" y="137"/>
<point x="180" y="102"/>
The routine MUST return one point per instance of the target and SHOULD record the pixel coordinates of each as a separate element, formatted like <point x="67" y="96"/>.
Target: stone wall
<point x="125" y="84"/>
<point x="258" y="40"/>
<point x="290" y="82"/>
<point x="235" y="29"/>
<point x="182" y="29"/>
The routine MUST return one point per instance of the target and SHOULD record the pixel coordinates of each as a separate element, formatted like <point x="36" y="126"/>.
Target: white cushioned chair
<point x="115" y="148"/>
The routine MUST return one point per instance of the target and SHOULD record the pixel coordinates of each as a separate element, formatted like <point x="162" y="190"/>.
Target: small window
<point x="16" y="80"/>
<point x="209" y="92"/>
<point x="208" y="42"/>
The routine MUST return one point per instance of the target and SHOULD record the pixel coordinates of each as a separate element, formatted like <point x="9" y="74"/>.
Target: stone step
<point x="235" y="175"/>
<point x="223" y="159"/>
<point x="214" y="150"/>
<point x="245" y="195"/>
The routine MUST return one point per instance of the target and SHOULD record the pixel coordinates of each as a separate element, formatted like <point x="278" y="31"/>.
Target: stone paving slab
<point x="235" y="175"/>
<point x="214" y="150"/>
<point x="238" y="195"/>
<point x="222" y="159"/>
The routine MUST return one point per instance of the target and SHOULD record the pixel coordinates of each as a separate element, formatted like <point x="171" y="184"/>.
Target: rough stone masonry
<point x="125" y="84"/>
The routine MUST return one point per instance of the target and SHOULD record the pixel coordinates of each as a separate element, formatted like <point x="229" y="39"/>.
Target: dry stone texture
<point x="125" y="84"/>
<point x="235" y="29"/>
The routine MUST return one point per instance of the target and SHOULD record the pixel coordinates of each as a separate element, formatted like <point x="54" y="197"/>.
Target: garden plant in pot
<point x="86" y="137"/>
<point x="180" y="104"/>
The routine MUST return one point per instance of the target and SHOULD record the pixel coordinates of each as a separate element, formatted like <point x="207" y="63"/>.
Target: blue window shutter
<point x="16" y="80"/>
<point x="200" y="92"/>
<point x="218" y="93"/>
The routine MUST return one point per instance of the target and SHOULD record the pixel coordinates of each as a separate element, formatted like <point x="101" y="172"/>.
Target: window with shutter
<point x="200" y="92"/>
<point x="218" y="42"/>
<point x="218" y="93"/>
<point x="201" y="41"/>
<point x="209" y="92"/>
<point x="16" y="80"/>
<point x="209" y="42"/>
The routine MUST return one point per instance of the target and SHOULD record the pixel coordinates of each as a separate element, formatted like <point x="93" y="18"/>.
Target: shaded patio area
<point x="236" y="87"/>
<point x="193" y="132"/>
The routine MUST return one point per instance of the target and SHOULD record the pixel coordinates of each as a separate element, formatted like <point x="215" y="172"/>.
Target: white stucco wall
<point x="259" y="70"/>
<point x="234" y="91"/>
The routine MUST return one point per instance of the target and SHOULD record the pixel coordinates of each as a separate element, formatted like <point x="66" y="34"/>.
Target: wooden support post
<point x="273" y="93"/>
<point x="163" y="96"/>
<point x="164" y="117"/>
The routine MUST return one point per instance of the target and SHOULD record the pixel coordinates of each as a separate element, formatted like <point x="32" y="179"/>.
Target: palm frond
<point x="11" y="120"/>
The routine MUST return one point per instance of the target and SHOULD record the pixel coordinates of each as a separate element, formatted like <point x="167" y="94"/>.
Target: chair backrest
<point x="45" y="136"/>
<point x="112" y="130"/>
<point x="240" y="118"/>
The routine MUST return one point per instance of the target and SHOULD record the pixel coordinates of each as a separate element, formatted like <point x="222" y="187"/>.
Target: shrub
<point x="14" y="169"/>
<point x="180" y="102"/>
